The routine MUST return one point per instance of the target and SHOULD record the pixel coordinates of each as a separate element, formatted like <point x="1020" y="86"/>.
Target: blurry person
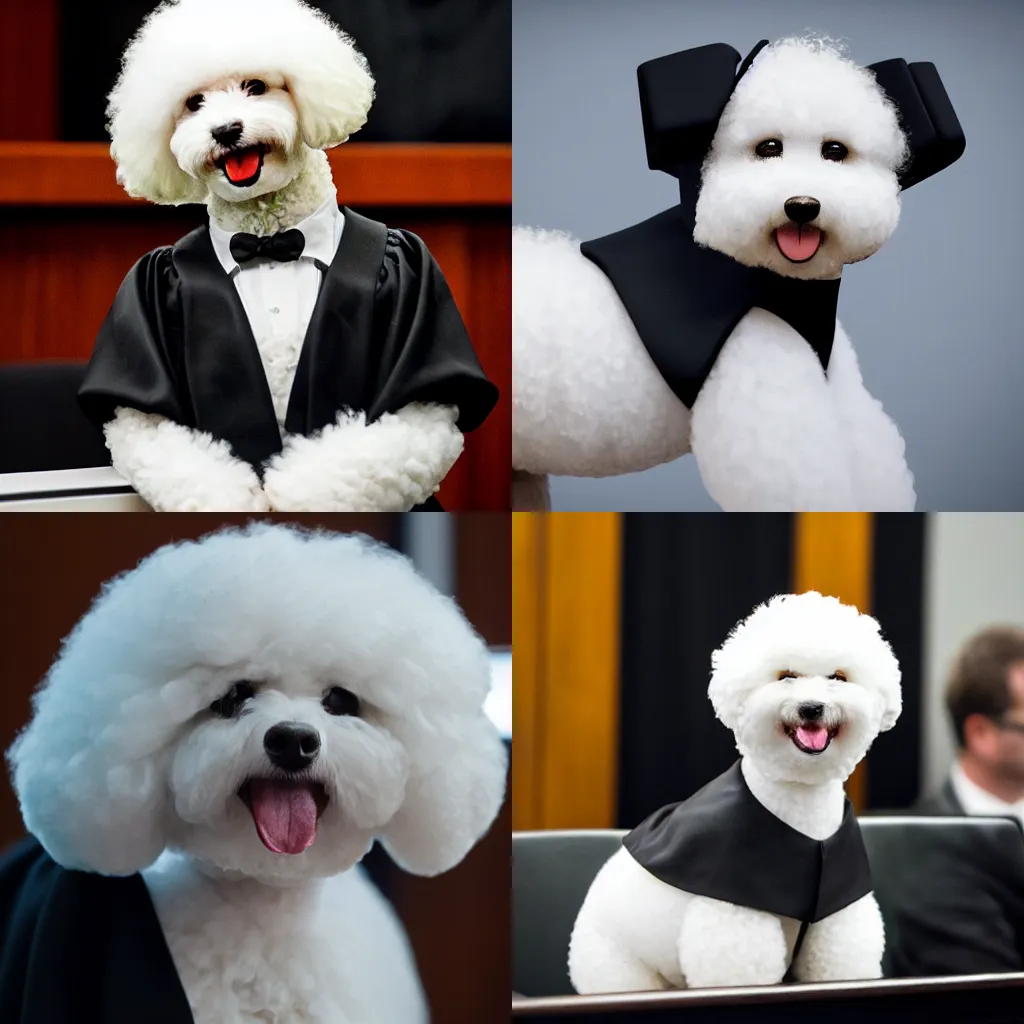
<point x="960" y="909"/>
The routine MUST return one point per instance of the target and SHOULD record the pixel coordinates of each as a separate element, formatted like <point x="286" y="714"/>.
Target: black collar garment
<point x="685" y="299"/>
<point x="80" y="948"/>
<point x="385" y="332"/>
<point x="724" y="844"/>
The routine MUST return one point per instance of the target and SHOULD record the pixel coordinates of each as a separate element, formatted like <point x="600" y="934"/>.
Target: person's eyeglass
<point x="1008" y="724"/>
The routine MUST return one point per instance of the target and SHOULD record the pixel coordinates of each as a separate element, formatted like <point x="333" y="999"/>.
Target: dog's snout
<point x="227" y="134"/>
<point x="802" y="209"/>
<point x="811" y="711"/>
<point x="291" y="745"/>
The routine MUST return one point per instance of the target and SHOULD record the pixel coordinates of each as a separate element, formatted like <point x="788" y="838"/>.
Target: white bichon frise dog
<point x="292" y="355"/>
<point x="699" y="894"/>
<point x="239" y="719"/>
<point x="711" y="328"/>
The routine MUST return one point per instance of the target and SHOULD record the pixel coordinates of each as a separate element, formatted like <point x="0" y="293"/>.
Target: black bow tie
<point x="284" y="246"/>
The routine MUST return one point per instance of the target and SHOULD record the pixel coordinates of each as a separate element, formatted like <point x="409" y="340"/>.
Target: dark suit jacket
<point x="959" y="909"/>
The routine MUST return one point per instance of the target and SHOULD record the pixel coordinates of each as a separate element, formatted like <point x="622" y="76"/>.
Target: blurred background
<point x="933" y="318"/>
<point x="616" y="616"/>
<point x="434" y="158"/>
<point x="459" y="921"/>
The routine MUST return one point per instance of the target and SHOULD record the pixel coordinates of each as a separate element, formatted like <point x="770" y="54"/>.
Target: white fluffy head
<point x="798" y="651"/>
<point x="802" y="93"/>
<point x="125" y="756"/>
<point x="319" y="91"/>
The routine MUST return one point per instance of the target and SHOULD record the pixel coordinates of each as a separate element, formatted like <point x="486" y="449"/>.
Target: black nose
<point x="811" y="712"/>
<point x="802" y="209"/>
<point x="291" y="745"/>
<point x="228" y="134"/>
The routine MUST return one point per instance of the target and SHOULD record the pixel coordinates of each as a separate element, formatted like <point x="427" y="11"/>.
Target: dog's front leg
<point x="390" y="465"/>
<point x="764" y="430"/>
<point x="882" y="481"/>
<point x="723" y="944"/>
<point x="176" y="469"/>
<point x="846" y="946"/>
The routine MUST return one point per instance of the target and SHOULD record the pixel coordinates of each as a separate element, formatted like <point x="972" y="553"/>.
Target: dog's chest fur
<point x="249" y="954"/>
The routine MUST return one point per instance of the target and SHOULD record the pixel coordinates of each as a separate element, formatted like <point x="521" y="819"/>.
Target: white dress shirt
<point x="279" y="298"/>
<point x="976" y="800"/>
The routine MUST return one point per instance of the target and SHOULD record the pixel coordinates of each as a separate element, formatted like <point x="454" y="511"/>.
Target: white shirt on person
<point x="976" y="800"/>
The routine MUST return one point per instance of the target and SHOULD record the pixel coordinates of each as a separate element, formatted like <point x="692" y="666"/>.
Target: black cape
<point x="79" y="948"/>
<point x="722" y="843"/>
<point x="685" y="299"/>
<point x="385" y="331"/>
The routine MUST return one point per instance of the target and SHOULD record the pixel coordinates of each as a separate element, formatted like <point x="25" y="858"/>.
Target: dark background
<point x="443" y="67"/>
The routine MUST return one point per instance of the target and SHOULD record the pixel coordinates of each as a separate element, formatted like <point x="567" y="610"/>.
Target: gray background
<point x="934" y="315"/>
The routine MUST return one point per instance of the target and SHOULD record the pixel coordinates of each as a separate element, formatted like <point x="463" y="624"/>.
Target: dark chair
<point x="41" y="425"/>
<point x="552" y="871"/>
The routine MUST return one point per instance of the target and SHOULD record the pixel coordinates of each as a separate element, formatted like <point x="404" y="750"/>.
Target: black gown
<point x="385" y="332"/>
<point x="724" y="844"/>
<point x="80" y="948"/>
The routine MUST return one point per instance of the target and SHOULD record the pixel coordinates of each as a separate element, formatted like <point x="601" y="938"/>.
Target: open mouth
<point x="242" y="167"/>
<point x="285" y="811"/>
<point x="798" y="243"/>
<point x="811" y="738"/>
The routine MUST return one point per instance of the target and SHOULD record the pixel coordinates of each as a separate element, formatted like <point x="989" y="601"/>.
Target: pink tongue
<point x="240" y="166"/>
<point x="796" y="242"/>
<point x="814" y="738"/>
<point x="285" y="815"/>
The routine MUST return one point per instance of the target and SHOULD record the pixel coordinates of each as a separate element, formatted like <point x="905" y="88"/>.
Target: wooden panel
<point x="28" y="69"/>
<point x="832" y="554"/>
<point x="566" y="733"/>
<point x="528" y="532"/>
<point x="60" y="269"/>
<point x="367" y="173"/>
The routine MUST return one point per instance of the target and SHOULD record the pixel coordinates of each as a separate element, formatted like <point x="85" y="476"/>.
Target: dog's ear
<point x="332" y="96"/>
<point x="682" y="97"/>
<point x="926" y="115"/>
<point x="89" y="769"/>
<point x="451" y="805"/>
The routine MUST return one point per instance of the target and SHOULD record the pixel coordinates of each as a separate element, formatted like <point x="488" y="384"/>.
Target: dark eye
<point x="840" y="676"/>
<point x="787" y="675"/>
<point x="229" y="705"/>
<point x="834" y="151"/>
<point x="770" y="147"/>
<point x="339" y="701"/>
<point x="193" y="103"/>
<point x="255" y="87"/>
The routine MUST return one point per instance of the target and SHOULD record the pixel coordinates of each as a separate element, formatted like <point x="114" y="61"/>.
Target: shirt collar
<point x="976" y="800"/>
<point x="322" y="231"/>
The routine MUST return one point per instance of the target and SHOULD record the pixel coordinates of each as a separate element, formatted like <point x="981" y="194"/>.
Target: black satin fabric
<point x="79" y="948"/>
<point x="722" y="843"/>
<point x="685" y="299"/>
<point x="385" y="332"/>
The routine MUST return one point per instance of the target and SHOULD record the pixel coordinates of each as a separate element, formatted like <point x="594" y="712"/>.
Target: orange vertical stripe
<point x="832" y="553"/>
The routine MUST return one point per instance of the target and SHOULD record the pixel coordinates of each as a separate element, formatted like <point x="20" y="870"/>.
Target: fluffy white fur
<point x="318" y="92"/>
<point x="769" y="430"/>
<point x="125" y="767"/>
<point x="635" y="932"/>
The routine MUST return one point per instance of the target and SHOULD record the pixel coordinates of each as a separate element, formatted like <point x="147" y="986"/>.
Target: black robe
<point x="385" y="332"/>
<point x="80" y="948"/>
<point x="724" y="844"/>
